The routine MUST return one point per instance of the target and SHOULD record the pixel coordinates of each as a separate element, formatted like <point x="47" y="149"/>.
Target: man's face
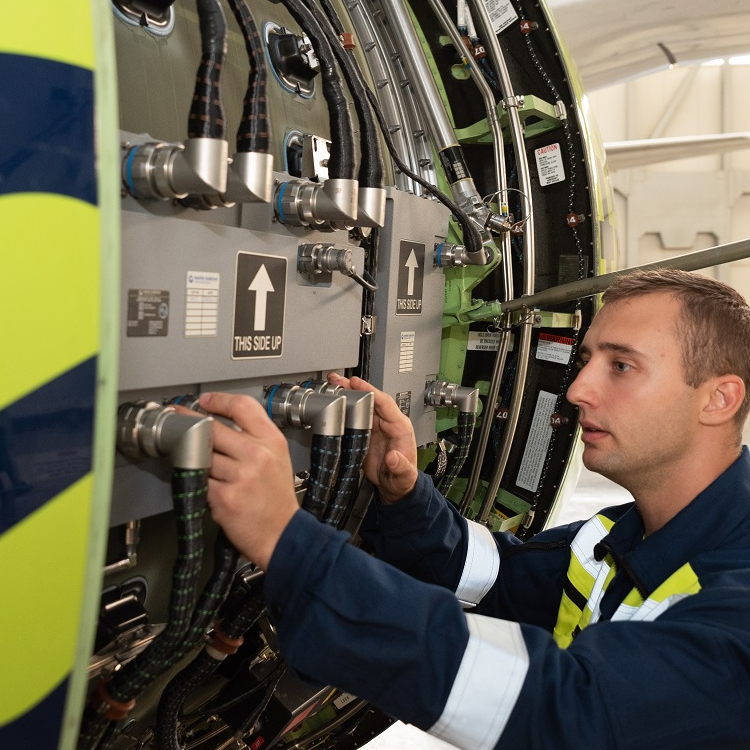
<point x="639" y="418"/>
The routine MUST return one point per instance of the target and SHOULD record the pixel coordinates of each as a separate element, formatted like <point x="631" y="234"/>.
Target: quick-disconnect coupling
<point x="298" y="203"/>
<point x="295" y="406"/>
<point x="360" y="405"/>
<point x="163" y="171"/>
<point x="440" y="393"/>
<point x="145" y="428"/>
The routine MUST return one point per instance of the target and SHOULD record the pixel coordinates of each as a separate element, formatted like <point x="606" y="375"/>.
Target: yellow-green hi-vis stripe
<point x="53" y="386"/>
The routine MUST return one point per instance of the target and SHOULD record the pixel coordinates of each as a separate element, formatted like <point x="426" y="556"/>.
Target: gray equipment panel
<point x="409" y="306"/>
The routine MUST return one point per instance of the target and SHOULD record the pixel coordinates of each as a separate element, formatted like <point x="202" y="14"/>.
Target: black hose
<point x="371" y="160"/>
<point x="170" y="703"/>
<point x="341" y="164"/>
<point x="174" y="697"/>
<point x="325" y="455"/>
<point x="456" y="460"/>
<point x="332" y="16"/>
<point x="471" y="236"/>
<point x="241" y="609"/>
<point x="364" y="361"/>
<point x="254" y="132"/>
<point x="206" y="118"/>
<point x="353" y="450"/>
<point x="189" y="492"/>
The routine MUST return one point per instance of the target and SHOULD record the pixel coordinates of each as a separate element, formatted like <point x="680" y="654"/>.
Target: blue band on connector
<point x="439" y="252"/>
<point x="128" y="169"/>
<point x="269" y="400"/>
<point x="279" y="208"/>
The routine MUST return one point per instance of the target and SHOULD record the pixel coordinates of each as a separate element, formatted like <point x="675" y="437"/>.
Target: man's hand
<point x="251" y="485"/>
<point x="391" y="462"/>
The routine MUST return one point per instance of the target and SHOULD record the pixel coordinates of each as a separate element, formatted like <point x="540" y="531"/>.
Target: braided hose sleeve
<point x="189" y="492"/>
<point x="247" y="608"/>
<point x="214" y="593"/>
<point x="371" y="166"/>
<point x="466" y="422"/>
<point x="341" y="164"/>
<point x="325" y="456"/>
<point x="174" y="696"/>
<point x="240" y="610"/>
<point x="333" y="17"/>
<point x="206" y="118"/>
<point x="254" y="132"/>
<point x="354" y="447"/>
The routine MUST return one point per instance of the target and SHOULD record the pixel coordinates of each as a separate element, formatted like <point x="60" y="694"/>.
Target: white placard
<point x="553" y="348"/>
<point x="502" y="13"/>
<point x="201" y="303"/>
<point x="406" y="351"/>
<point x="550" y="164"/>
<point x="535" y="451"/>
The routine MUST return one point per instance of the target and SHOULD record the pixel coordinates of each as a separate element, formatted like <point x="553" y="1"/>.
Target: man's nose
<point x="581" y="390"/>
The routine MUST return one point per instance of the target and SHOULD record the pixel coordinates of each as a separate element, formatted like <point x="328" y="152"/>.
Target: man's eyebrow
<point x="611" y="346"/>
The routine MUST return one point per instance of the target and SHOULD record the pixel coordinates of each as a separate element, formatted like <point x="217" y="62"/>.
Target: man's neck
<point x="659" y="499"/>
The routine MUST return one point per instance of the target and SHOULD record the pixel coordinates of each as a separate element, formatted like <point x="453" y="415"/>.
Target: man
<point x="631" y="630"/>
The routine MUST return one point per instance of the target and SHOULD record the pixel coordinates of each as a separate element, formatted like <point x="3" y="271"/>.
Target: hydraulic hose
<point x="241" y="609"/>
<point x="325" y="456"/>
<point x="341" y="164"/>
<point x="254" y="132"/>
<point x="225" y="562"/>
<point x="371" y="161"/>
<point x="206" y="118"/>
<point x="471" y="235"/>
<point x="354" y="447"/>
<point x="117" y="696"/>
<point x="466" y="422"/>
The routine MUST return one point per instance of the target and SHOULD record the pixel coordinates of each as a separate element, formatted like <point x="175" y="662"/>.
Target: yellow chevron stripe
<point x="58" y="30"/>
<point x="43" y="560"/>
<point x="50" y="266"/>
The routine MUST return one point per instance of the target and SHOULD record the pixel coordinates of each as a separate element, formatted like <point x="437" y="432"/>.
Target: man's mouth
<point x="592" y="433"/>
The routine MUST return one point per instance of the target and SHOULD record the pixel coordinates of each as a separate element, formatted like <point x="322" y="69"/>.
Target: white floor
<point x="592" y="493"/>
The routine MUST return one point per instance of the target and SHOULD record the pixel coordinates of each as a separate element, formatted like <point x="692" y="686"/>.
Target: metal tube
<point x="712" y="256"/>
<point x="484" y="88"/>
<point x="524" y="180"/>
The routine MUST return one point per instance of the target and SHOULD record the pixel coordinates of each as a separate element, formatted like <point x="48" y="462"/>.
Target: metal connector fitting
<point x="300" y="204"/>
<point x="450" y="255"/>
<point x="371" y="207"/>
<point x="250" y="178"/>
<point x="163" y="171"/>
<point x="144" y="428"/>
<point x="294" y="406"/>
<point x="323" y="258"/>
<point x="440" y="393"/>
<point x="360" y="405"/>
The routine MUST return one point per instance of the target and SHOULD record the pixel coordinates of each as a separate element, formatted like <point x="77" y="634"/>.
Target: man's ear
<point x="725" y="396"/>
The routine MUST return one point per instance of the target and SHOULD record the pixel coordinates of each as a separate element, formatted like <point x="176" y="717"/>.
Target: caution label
<point x="549" y="163"/>
<point x="537" y="444"/>
<point x="259" y="304"/>
<point x="410" y="278"/>
<point x="487" y="341"/>
<point x="553" y="348"/>
<point x="148" y="312"/>
<point x="501" y="12"/>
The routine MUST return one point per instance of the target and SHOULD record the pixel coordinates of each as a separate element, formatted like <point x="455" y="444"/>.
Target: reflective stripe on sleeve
<point x="487" y="685"/>
<point x="481" y="566"/>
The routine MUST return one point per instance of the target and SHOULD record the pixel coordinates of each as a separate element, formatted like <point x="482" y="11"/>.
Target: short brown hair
<point x="714" y="324"/>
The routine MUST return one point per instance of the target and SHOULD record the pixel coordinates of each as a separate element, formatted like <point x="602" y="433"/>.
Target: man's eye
<point x="621" y="367"/>
<point x="580" y="363"/>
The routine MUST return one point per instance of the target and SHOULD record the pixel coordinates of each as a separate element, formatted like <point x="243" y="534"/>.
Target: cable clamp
<point x="112" y="709"/>
<point x="223" y="643"/>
